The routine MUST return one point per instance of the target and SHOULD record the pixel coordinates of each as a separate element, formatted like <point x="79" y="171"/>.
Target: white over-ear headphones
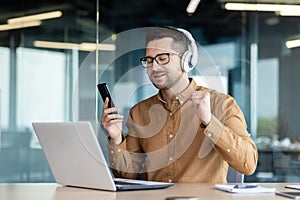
<point x="190" y="57"/>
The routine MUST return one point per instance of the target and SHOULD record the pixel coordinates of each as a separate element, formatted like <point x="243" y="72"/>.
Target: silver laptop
<point x="76" y="158"/>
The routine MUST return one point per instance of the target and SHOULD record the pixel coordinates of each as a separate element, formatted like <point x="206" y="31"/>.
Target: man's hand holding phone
<point x="110" y="119"/>
<point x="112" y="122"/>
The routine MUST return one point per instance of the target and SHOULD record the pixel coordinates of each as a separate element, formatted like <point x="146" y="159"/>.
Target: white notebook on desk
<point x="245" y="189"/>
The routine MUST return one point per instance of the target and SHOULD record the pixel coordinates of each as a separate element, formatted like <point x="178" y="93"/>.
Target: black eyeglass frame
<point x="145" y="64"/>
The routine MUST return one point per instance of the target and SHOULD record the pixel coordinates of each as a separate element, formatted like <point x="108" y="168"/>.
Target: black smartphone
<point x="104" y="92"/>
<point x="291" y="195"/>
<point x="182" y="198"/>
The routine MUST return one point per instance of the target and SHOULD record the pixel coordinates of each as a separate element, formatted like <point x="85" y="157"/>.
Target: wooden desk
<point x="28" y="191"/>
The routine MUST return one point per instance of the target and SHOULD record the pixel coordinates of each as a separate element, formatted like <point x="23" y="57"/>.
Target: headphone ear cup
<point x="186" y="61"/>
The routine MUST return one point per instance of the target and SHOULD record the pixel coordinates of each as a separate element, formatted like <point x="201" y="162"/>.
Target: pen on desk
<point x="244" y="186"/>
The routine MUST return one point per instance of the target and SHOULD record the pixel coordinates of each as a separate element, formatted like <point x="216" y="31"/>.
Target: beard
<point x="166" y="82"/>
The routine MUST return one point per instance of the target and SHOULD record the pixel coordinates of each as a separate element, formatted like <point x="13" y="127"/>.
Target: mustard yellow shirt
<point x="170" y="145"/>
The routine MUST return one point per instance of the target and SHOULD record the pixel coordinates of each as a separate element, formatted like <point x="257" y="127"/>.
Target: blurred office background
<point x="49" y="69"/>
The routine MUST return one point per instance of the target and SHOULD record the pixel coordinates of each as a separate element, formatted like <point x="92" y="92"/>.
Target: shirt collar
<point x="185" y="94"/>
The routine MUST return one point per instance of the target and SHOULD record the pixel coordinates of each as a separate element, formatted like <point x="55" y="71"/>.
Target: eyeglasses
<point x="161" y="59"/>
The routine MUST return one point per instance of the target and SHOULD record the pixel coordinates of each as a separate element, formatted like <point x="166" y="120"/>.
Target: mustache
<point x="157" y="73"/>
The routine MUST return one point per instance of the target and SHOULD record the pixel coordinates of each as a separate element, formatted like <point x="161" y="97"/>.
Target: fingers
<point x="110" y="116"/>
<point x="201" y="101"/>
<point x="112" y="123"/>
<point x="200" y="96"/>
<point x="106" y="111"/>
<point x="105" y="105"/>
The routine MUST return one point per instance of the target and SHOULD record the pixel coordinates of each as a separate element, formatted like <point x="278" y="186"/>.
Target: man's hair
<point x="180" y="41"/>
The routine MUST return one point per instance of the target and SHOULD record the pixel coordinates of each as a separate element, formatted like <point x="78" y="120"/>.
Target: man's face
<point x="163" y="76"/>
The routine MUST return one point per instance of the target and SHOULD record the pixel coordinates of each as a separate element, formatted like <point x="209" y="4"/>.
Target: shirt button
<point x="170" y="180"/>
<point x="228" y="150"/>
<point x="171" y="114"/>
<point x="177" y="97"/>
<point x="112" y="152"/>
<point x="119" y="150"/>
<point x="209" y="134"/>
<point x="170" y="158"/>
<point x="171" y="136"/>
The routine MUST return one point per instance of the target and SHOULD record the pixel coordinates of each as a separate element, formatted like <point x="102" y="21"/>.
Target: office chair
<point x="234" y="176"/>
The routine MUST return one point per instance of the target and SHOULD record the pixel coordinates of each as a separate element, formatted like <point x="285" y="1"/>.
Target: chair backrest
<point x="234" y="176"/>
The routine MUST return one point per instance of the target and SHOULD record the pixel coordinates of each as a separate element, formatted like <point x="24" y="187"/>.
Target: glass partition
<point x="39" y="65"/>
<point x="277" y="98"/>
<point x="4" y="87"/>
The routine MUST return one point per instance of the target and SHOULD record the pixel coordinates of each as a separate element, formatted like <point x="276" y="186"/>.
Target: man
<point x="185" y="133"/>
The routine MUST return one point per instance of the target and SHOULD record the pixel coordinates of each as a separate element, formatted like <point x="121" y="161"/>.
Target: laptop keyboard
<point x="126" y="183"/>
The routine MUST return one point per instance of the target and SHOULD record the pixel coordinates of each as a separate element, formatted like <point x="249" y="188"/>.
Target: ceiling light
<point x="41" y="16"/>
<point x="293" y="43"/>
<point x="5" y="27"/>
<point x="81" y="47"/>
<point x="240" y="6"/>
<point x="280" y="8"/>
<point x="92" y="47"/>
<point x="191" y="8"/>
<point x="289" y="13"/>
<point x="55" y="45"/>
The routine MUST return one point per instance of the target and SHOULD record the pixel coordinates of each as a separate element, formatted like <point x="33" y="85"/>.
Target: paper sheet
<point x="252" y="190"/>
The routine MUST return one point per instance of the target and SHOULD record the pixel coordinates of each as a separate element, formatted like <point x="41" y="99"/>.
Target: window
<point x="37" y="71"/>
<point x="4" y="87"/>
<point x="267" y="97"/>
